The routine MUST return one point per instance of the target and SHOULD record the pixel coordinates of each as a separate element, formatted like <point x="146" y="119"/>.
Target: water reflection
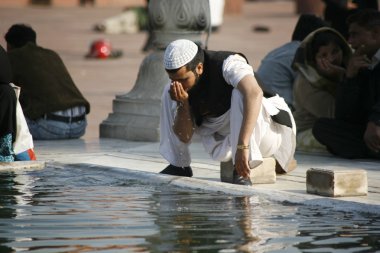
<point x="338" y="231"/>
<point x="70" y="211"/>
<point x="189" y="221"/>
<point x="16" y="193"/>
<point x="88" y="210"/>
<point x="195" y="221"/>
<point x="7" y="196"/>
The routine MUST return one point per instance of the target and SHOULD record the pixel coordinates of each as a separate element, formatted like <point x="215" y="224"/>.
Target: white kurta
<point x="219" y="135"/>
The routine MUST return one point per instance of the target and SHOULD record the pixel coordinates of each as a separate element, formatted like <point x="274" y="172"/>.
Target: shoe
<point x="292" y="165"/>
<point x="177" y="171"/>
<point x="237" y="179"/>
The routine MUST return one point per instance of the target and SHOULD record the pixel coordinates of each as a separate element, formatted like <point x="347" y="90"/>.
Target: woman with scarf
<point x="320" y="61"/>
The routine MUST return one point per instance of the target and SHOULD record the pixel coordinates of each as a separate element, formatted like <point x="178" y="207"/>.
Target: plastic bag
<point x="23" y="145"/>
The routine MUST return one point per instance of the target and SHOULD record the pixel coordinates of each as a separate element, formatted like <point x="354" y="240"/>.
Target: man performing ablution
<point x="216" y="95"/>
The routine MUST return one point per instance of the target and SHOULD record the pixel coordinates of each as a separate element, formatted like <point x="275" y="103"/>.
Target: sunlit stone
<point x="336" y="182"/>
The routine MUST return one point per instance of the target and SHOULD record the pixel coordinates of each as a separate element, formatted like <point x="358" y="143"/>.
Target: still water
<point x="93" y="210"/>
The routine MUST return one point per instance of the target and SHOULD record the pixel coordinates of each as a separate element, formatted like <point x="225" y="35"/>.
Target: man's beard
<point x="196" y="81"/>
<point x="197" y="77"/>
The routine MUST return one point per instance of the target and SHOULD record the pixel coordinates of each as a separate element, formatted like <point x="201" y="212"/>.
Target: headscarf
<point x="304" y="60"/>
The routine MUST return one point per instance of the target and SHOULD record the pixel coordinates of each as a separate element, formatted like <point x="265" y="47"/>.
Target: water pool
<point x="94" y="210"/>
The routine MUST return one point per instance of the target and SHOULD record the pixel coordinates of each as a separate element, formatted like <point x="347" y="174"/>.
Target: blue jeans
<point x="45" y="129"/>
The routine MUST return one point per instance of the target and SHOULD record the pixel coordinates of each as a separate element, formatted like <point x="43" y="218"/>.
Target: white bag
<point x="24" y="140"/>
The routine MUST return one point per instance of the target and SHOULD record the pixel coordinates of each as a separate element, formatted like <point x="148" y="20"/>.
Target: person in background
<point x="16" y="143"/>
<point x="320" y="61"/>
<point x="337" y="11"/>
<point x="275" y="73"/>
<point x="355" y="130"/>
<point x="53" y="106"/>
<point x="8" y="102"/>
<point x="216" y="95"/>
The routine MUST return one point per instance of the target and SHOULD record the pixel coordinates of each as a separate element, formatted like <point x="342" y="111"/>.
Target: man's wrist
<point x="241" y="146"/>
<point x="182" y="103"/>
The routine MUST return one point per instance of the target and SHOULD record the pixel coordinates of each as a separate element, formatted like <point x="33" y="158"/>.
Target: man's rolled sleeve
<point x="235" y="67"/>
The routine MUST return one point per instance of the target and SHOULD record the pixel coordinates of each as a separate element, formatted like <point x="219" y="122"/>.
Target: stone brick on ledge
<point x="265" y="173"/>
<point x="336" y="182"/>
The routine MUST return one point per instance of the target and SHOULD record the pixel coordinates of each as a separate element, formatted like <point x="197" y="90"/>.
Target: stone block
<point x="336" y="182"/>
<point x="264" y="173"/>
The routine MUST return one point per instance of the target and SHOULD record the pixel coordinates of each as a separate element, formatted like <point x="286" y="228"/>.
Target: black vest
<point x="211" y="96"/>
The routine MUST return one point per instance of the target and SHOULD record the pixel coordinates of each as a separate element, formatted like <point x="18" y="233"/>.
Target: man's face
<point x="187" y="77"/>
<point x="360" y="37"/>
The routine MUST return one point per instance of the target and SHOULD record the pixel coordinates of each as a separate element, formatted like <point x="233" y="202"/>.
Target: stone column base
<point x="133" y="119"/>
<point x="136" y="115"/>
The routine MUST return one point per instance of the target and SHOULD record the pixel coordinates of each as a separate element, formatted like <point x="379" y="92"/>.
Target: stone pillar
<point x="136" y="115"/>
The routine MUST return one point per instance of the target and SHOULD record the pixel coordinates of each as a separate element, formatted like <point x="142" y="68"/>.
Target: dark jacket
<point x="358" y="98"/>
<point x="46" y="85"/>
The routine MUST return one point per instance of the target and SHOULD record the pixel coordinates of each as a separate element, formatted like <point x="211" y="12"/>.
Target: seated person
<point x="275" y="71"/>
<point x="53" y="106"/>
<point x="337" y="11"/>
<point x="355" y="130"/>
<point x="7" y="110"/>
<point x="320" y="61"/>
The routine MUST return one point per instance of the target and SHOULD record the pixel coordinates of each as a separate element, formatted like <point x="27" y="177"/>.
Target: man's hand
<point x="183" y="125"/>
<point x="241" y="162"/>
<point x="372" y="137"/>
<point x="358" y="60"/>
<point x="177" y="92"/>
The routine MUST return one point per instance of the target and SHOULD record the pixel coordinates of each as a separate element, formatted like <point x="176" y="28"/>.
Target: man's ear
<point x="199" y="68"/>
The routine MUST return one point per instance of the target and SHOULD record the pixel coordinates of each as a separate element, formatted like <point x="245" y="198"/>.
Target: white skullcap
<point x="178" y="53"/>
